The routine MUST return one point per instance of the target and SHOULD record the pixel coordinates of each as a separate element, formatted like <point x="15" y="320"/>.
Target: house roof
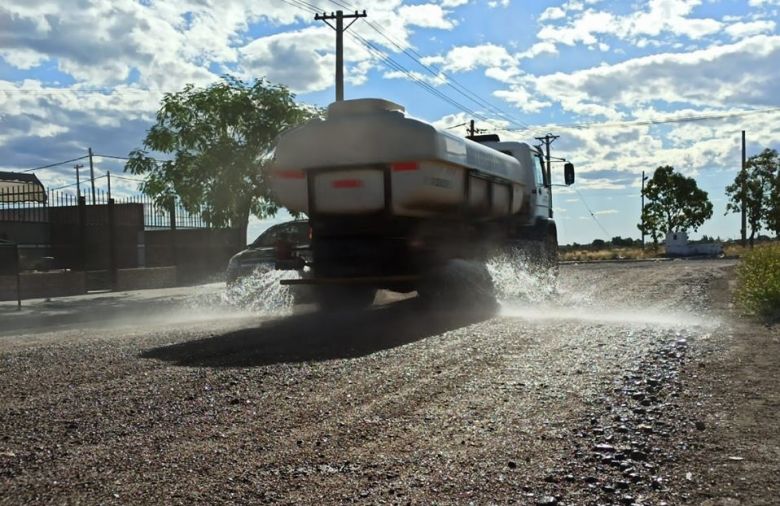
<point x="21" y="187"/>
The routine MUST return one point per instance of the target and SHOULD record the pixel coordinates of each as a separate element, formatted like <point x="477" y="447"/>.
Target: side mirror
<point x="568" y="173"/>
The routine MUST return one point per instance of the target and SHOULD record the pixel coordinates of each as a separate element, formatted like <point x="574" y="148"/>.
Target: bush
<point x="758" y="276"/>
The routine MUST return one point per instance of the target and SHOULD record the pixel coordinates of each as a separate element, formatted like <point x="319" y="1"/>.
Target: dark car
<point x="260" y="255"/>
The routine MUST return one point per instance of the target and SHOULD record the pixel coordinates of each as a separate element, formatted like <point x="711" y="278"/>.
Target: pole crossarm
<point x="339" y="16"/>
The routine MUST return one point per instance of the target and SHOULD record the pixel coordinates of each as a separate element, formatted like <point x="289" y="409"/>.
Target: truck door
<point x="541" y="193"/>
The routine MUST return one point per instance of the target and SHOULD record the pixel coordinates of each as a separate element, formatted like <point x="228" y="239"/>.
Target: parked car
<point x="260" y="255"/>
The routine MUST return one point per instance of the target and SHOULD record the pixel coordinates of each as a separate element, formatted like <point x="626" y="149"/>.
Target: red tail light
<point x="404" y="166"/>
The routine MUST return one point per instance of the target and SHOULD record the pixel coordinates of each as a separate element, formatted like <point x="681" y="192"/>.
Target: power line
<point x="437" y="72"/>
<point x="427" y="87"/>
<point x="388" y="60"/>
<point x="56" y="164"/>
<point x="592" y="214"/>
<point x="449" y="80"/>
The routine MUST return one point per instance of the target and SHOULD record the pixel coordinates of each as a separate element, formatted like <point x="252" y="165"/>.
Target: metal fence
<point x="26" y="205"/>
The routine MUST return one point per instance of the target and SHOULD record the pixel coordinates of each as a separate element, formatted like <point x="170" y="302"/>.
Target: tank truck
<point x="393" y="201"/>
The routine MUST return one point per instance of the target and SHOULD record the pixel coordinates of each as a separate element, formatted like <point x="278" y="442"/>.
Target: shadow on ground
<point x="109" y="310"/>
<point x="319" y="336"/>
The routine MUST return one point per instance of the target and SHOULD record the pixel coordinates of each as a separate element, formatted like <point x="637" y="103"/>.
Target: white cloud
<point x="741" y="30"/>
<point x="520" y="96"/>
<point x="744" y="73"/>
<point x="292" y="58"/>
<point x="426" y="16"/>
<point x="660" y="16"/>
<point x="465" y="58"/>
<point x="551" y="13"/>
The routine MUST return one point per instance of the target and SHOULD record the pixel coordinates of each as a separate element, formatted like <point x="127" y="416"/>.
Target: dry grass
<point x="730" y="249"/>
<point x="589" y="255"/>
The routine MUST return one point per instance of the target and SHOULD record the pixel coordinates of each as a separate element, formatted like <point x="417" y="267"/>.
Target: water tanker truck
<point x="392" y="201"/>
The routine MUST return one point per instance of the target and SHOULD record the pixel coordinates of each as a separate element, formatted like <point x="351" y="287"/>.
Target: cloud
<point x="744" y="73"/>
<point x="659" y="17"/>
<point x="551" y="13"/>
<point x="465" y="58"/>
<point x="293" y="58"/>
<point x="741" y="30"/>
<point x="427" y="16"/>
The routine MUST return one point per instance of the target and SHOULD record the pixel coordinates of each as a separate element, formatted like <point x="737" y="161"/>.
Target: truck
<point x="394" y="203"/>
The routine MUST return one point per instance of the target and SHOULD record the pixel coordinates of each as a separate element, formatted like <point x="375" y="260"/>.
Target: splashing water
<point x="262" y="292"/>
<point x="516" y="277"/>
<point x="530" y="292"/>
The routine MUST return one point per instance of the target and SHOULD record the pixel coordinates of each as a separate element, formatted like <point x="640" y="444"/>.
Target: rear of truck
<point x="391" y="199"/>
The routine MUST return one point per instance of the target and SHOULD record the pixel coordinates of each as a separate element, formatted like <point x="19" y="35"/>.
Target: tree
<point x="220" y="138"/>
<point x="675" y="203"/>
<point x="757" y="188"/>
<point x="649" y="225"/>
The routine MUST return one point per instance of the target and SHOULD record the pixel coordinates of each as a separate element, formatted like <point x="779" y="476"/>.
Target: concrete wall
<point x="36" y="285"/>
<point x="140" y="279"/>
<point x="198" y="253"/>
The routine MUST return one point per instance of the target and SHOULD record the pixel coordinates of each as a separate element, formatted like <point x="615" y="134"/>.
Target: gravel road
<point x="632" y="383"/>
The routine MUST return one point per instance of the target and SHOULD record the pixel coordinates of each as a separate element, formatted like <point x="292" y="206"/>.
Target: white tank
<point x="365" y="144"/>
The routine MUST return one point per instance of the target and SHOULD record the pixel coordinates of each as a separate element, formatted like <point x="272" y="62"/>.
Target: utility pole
<point x="744" y="193"/>
<point x="78" y="179"/>
<point x="547" y="140"/>
<point x="471" y="131"/>
<point x="339" y="16"/>
<point x="92" y="175"/>
<point x="642" y="216"/>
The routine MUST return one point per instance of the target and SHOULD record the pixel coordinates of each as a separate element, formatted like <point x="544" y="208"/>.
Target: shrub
<point x="758" y="277"/>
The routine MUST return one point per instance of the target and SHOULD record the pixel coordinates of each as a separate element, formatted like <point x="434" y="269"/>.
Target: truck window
<point x="538" y="171"/>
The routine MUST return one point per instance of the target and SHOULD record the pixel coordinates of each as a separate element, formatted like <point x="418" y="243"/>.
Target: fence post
<point x="174" y="252"/>
<point x="18" y="280"/>
<point x="112" y="262"/>
<point x="83" y="233"/>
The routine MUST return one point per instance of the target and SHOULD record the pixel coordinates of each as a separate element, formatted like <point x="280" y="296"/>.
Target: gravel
<point x="618" y="389"/>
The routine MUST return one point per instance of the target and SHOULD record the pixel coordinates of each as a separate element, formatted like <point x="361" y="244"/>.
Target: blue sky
<point x="599" y="73"/>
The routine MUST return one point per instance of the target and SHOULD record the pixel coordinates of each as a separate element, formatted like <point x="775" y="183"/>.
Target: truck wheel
<point x="344" y="298"/>
<point x="551" y="252"/>
<point x="459" y="283"/>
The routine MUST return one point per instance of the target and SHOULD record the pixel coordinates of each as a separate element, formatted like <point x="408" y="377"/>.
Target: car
<point x="261" y="254"/>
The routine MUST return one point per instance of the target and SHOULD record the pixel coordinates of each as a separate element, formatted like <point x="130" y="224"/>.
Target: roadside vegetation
<point x="758" y="278"/>
<point x="620" y="248"/>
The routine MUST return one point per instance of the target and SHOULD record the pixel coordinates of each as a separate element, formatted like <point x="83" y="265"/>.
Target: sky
<point x="611" y="78"/>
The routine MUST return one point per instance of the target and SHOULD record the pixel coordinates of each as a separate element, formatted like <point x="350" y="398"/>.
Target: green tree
<point x="675" y="203"/>
<point x="757" y="189"/>
<point x="219" y="138"/>
<point x="649" y="225"/>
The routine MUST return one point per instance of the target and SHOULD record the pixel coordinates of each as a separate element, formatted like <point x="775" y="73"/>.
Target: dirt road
<point x="633" y="384"/>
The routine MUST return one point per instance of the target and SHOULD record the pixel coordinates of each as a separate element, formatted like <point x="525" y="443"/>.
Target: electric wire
<point x="449" y="80"/>
<point x="56" y="164"/>
<point x="592" y="214"/>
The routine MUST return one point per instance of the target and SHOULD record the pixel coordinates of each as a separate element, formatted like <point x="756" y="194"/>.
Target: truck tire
<point x="458" y="284"/>
<point x="343" y="298"/>
<point x="550" y="252"/>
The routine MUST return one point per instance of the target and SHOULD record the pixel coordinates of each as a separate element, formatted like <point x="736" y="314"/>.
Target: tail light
<point x="404" y="166"/>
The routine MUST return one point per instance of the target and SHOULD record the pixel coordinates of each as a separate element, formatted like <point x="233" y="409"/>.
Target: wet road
<point x="567" y="396"/>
